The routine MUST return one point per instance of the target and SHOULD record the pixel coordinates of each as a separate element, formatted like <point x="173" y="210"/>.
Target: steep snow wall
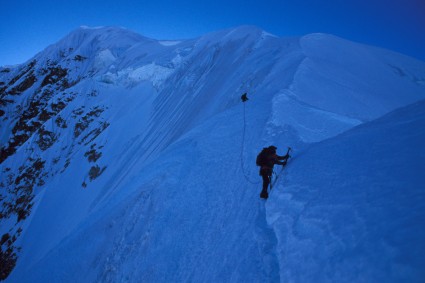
<point x="352" y="208"/>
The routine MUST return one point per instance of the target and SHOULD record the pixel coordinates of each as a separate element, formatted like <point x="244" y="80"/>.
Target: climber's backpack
<point x="262" y="157"/>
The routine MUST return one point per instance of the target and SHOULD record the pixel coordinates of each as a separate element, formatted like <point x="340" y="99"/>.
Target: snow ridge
<point x="120" y="159"/>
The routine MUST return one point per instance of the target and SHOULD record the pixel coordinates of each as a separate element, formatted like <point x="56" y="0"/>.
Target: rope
<point x="273" y="182"/>
<point x="243" y="149"/>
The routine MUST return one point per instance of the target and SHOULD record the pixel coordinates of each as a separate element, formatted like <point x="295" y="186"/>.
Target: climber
<point x="266" y="159"/>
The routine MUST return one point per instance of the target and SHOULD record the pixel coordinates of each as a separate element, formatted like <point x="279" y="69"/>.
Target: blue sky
<point x="27" y="27"/>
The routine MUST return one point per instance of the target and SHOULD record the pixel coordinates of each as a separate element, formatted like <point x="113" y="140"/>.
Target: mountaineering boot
<point x="264" y="195"/>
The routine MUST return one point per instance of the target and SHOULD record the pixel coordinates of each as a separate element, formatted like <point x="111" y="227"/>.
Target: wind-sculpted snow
<point x="152" y="73"/>
<point x="352" y="208"/>
<point x="124" y="158"/>
<point x="323" y="82"/>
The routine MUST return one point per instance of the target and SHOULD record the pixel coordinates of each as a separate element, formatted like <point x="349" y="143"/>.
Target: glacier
<point x="129" y="159"/>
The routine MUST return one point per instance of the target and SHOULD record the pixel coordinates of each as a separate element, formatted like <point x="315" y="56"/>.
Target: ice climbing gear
<point x="281" y="170"/>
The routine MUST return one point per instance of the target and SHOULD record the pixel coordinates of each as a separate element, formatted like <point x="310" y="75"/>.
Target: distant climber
<point x="266" y="159"/>
<point x="244" y="97"/>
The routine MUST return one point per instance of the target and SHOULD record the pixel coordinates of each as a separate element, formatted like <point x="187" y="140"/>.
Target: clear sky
<point x="27" y="27"/>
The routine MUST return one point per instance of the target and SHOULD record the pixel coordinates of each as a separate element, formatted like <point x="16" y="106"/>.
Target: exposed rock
<point x="85" y="121"/>
<point x="46" y="139"/>
<point x="92" y="155"/>
<point x="25" y="70"/>
<point x="92" y="135"/>
<point x="79" y="58"/>
<point x="55" y="74"/>
<point x="8" y="260"/>
<point x="24" y="85"/>
<point x="95" y="171"/>
<point x="60" y="122"/>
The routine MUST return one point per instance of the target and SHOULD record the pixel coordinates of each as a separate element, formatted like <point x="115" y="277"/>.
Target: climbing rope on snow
<point x="244" y="98"/>
<point x="276" y="176"/>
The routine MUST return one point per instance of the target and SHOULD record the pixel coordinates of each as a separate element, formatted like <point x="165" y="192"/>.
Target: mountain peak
<point x="86" y="41"/>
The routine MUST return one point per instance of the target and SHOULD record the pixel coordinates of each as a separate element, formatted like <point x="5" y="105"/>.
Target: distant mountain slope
<point x="129" y="152"/>
<point x="352" y="208"/>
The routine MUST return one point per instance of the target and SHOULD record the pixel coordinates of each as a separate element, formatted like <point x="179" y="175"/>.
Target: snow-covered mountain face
<point x="359" y="215"/>
<point x="125" y="158"/>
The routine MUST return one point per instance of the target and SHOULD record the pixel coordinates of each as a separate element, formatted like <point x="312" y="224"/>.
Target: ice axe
<point x="283" y="166"/>
<point x="287" y="153"/>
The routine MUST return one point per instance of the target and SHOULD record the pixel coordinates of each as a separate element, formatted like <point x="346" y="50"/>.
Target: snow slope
<point x="126" y="159"/>
<point x="358" y="216"/>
